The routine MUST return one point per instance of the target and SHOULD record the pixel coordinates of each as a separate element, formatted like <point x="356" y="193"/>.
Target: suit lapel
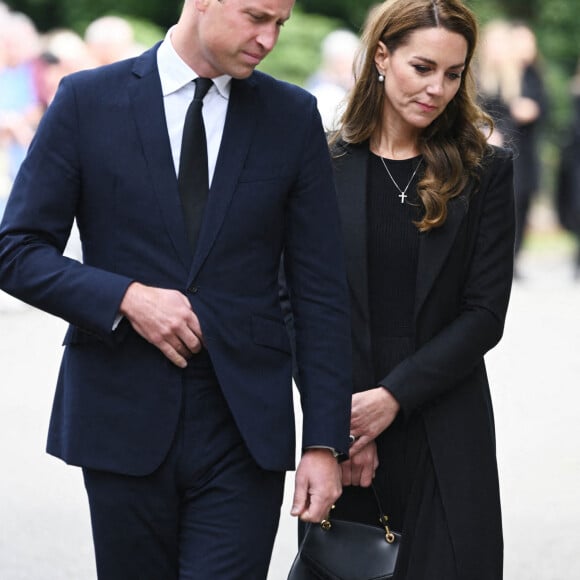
<point x="238" y="133"/>
<point x="434" y="246"/>
<point x="149" y="114"/>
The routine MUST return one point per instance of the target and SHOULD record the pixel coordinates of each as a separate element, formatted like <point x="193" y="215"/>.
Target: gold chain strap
<point x="389" y="536"/>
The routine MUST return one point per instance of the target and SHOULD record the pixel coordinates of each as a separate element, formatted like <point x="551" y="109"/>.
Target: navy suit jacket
<point x="102" y="156"/>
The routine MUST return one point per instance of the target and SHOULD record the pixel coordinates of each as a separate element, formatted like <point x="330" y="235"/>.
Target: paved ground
<point x="44" y="526"/>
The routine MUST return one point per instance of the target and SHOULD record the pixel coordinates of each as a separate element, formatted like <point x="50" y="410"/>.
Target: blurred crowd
<point x="510" y="82"/>
<point x="512" y="90"/>
<point x="31" y="66"/>
<point x="334" y="77"/>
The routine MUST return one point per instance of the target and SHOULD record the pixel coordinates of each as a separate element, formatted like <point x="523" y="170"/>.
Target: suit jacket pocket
<point x="77" y="336"/>
<point x="270" y="332"/>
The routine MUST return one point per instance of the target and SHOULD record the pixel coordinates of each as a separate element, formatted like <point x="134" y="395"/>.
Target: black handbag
<point x="343" y="550"/>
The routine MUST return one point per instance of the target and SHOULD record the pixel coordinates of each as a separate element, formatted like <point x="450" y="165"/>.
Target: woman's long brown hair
<point x="454" y="144"/>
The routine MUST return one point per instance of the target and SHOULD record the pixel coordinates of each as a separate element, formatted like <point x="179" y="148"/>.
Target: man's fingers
<point x="317" y="510"/>
<point x="191" y="338"/>
<point x="164" y="318"/>
<point x="173" y="355"/>
<point x="299" y="501"/>
<point x="317" y="485"/>
<point x="317" y="507"/>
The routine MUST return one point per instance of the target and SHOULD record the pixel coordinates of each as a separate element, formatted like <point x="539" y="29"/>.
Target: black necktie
<point x="193" y="180"/>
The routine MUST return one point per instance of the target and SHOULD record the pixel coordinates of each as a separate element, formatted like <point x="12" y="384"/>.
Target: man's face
<point x="236" y="35"/>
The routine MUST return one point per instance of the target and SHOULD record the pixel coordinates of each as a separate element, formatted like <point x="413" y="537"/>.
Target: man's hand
<point x="360" y="469"/>
<point x="165" y="319"/>
<point x="317" y="485"/>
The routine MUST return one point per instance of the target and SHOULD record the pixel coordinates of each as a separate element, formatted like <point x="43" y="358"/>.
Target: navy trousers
<point x="209" y="512"/>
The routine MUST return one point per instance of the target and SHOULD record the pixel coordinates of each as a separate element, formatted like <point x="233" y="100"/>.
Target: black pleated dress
<point x="405" y="479"/>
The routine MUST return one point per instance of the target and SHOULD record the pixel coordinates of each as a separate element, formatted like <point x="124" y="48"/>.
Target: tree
<point x="297" y="54"/>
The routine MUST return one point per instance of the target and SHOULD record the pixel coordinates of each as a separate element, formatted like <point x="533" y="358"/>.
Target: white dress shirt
<point x="178" y="89"/>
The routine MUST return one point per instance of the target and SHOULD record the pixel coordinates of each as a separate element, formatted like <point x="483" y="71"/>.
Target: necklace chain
<point x="402" y="192"/>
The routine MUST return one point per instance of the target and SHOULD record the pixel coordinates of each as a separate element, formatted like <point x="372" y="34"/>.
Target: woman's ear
<point x="381" y="57"/>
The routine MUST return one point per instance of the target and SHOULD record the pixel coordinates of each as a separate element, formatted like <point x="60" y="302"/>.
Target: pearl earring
<point x="381" y="78"/>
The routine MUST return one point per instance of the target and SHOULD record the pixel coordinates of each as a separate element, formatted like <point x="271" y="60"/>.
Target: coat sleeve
<point x="317" y="296"/>
<point x="37" y="224"/>
<point x="443" y="361"/>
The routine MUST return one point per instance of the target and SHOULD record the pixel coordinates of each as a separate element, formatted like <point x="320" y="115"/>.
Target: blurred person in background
<point x="497" y="78"/>
<point x="110" y="39"/>
<point x="20" y="109"/>
<point x="528" y="111"/>
<point x="4" y="178"/>
<point x="63" y="52"/>
<point x="334" y="78"/>
<point x="427" y="211"/>
<point x="568" y="182"/>
<point x="513" y="93"/>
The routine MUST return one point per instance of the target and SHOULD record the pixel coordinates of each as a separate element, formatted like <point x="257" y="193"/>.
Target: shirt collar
<point x="176" y="74"/>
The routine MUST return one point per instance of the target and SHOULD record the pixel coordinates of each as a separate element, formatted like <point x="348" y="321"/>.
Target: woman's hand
<point x="372" y="412"/>
<point x="360" y="469"/>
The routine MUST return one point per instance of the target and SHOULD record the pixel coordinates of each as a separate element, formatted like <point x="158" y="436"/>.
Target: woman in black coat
<point x="428" y="224"/>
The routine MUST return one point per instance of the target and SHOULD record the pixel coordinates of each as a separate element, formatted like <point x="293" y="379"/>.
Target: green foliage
<point x="557" y="25"/>
<point x="81" y="12"/>
<point x="297" y="54"/>
<point x="146" y="33"/>
<point x="487" y="10"/>
<point x="351" y="13"/>
<point x="77" y="14"/>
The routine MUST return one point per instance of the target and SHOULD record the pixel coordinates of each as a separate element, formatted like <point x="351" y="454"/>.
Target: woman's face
<point x="421" y="77"/>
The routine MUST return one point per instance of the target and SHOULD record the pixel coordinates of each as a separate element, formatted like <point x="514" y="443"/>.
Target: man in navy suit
<point x="174" y="393"/>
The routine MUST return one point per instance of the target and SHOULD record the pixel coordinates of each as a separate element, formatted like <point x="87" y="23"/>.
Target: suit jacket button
<point x="194" y="289"/>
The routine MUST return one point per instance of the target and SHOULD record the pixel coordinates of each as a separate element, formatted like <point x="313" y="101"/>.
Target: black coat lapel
<point x="350" y="165"/>
<point x="351" y="182"/>
<point x="434" y="247"/>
